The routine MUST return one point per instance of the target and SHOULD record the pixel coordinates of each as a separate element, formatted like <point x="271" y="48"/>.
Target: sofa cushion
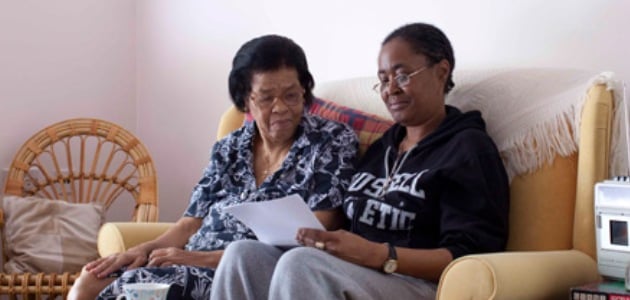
<point x="544" y="202"/>
<point x="44" y="235"/>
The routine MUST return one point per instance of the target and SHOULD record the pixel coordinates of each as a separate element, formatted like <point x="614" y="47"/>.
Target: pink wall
<point x="64" y="59"/>
<point x="184" y="54"/>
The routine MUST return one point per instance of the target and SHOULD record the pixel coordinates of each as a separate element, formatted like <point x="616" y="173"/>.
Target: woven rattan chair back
<point x="80" y="161"/>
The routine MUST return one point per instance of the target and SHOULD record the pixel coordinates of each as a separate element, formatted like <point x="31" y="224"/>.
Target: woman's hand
<point x="345" y="245"/>
<point x="131" y="259"/>
<point x="166" y="257"/>
<point x="176" y="236"/>
<point x="421" y="263"/>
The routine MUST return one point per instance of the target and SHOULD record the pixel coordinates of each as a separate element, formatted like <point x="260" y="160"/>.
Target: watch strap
<point x="391" y="263"/>
<point x="392" y="252"/>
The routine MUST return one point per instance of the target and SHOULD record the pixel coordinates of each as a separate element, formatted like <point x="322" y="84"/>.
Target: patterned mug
<point x="144" y="291"/>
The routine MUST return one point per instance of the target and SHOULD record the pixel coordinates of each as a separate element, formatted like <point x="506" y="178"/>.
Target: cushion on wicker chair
<point x="46" y="235"/>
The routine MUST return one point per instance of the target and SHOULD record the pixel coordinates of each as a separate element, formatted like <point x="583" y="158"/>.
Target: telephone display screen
<point x="619" y="233"/>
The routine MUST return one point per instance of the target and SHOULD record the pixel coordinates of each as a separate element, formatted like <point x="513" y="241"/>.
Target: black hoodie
<point x="449" y="191"/>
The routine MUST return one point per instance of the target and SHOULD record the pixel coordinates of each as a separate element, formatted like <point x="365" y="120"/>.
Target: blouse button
<point x="244" y="195"/>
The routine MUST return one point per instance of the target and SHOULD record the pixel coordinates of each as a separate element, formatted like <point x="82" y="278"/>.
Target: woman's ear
<point x="443" y="68"/>
<point x="246" y="106"/>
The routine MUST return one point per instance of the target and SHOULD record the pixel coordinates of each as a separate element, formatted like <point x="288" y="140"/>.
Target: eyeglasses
<point x="400" y="79"/>
<point x="290" y="98"/>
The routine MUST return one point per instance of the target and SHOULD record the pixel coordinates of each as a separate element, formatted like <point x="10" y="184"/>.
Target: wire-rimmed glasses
<point x="292" y="97"/>
<point x="400" y="79"/>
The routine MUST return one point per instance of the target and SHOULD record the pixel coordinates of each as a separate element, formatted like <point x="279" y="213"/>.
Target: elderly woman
<point x="432" y="189"/>
<point x="283" y="151"/>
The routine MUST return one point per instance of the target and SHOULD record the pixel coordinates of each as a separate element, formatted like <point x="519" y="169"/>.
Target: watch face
<point x="390" y="266"/>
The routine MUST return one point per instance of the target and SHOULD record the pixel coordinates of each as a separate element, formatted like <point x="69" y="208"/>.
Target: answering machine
<point x="612" y="217"/>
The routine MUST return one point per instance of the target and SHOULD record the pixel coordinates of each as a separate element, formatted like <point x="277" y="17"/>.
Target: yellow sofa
<point x="551" y="245"/>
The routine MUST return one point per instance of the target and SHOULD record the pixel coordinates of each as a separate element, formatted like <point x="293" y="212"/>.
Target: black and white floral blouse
<point x="318" y="167"/>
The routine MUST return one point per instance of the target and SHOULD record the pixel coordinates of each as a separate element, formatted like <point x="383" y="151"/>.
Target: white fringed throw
<point x="533" y="114"/>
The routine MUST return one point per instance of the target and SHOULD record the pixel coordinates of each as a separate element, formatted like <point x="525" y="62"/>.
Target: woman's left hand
<point x="165" y="257"/>
<point x="345" y="245"/>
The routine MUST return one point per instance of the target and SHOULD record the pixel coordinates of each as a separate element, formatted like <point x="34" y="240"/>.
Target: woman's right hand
<point x="138" y="256"/>
<point x="131" y="259"/>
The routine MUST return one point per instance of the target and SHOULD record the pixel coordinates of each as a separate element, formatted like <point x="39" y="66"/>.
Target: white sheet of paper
<point x="276" y="221"/>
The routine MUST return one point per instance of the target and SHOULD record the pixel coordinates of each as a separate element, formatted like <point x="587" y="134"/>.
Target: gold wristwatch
<point x="391" y="263"/>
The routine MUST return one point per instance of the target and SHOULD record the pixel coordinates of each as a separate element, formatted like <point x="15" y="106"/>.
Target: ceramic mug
<point x="144" y="291"/>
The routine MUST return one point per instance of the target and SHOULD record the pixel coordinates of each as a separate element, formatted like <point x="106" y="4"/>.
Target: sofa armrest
<point x="517" y="275"/>
<point x="118" y="237"/>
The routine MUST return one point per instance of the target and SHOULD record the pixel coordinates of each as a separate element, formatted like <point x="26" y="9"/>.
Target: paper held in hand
<point x="276" y="222"/>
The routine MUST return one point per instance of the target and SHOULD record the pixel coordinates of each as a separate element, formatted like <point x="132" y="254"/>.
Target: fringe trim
<point x="526" y="152"/>
<point x="531" y="149"/>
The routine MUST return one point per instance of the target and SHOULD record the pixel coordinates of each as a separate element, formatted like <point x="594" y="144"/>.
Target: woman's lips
<point x="396" y="105"/>
<point x="281" y="123"/>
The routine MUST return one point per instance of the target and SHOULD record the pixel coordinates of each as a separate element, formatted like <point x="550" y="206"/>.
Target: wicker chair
<point x="79" y="161"/>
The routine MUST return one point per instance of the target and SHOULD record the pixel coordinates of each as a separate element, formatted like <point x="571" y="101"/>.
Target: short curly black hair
<point x="430" y="41"/>
<point x="267" y="53"/>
